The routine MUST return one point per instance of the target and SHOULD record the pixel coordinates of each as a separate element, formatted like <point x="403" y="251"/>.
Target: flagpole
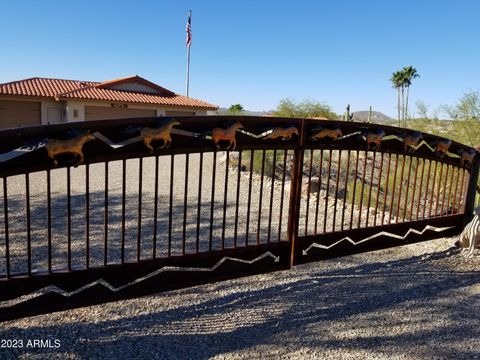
<point x="187" y="85"/>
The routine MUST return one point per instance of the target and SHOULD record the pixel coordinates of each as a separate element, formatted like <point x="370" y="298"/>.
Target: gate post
<point x="472" y="190"/>
<point x="295" y="194"/>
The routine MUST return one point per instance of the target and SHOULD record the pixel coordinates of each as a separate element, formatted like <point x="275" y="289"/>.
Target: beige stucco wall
<point x="80" y="107"/>
<point x="67" y="109"/>
<point x="45" y="104"/>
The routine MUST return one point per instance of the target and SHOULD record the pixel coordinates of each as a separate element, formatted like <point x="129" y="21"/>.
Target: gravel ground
<point x="418" y="301"/>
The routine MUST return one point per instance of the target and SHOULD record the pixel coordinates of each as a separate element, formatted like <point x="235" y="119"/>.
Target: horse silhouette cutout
<point x="71" y="146"/>
<point x="411" y="141"/>
<point x="284" y="133"/>
<point x="332" y="132"/>
<point x="374" y="137"/>
<point x="163" y="132"/>
<point x="442" y="147"/>
<point x="228" y="134"/>
<point x="467" y="157"/>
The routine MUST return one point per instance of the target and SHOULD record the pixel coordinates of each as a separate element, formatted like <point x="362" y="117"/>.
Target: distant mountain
<point x="360" y="116"/>
<point x="224" y="111"/>
<point x="377" y="117"/>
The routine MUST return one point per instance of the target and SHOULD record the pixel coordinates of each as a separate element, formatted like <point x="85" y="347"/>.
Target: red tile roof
<point x="88" y="90"/>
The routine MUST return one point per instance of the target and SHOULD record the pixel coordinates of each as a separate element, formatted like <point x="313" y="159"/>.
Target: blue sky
<point x="252" y="52"/>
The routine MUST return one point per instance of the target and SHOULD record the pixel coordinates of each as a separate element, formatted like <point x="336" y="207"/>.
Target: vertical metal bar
<point x="260" y="199"/>
<point x="274" y="165"/>
<point x="355" y="174"/>
<point x="49" y="221"/>
<point x="370" y="188"/>
<point x="449" y="204"/>
<point x="185" y="204"/>
<point x="237" y="202"/>
<point x="444" y="192"/>
<point x="344" y="190"/>
<point x="87" y="216"/>
<point x="29" y="235"/>
<point x="307" y="210"/>
<point x="407" y="187"/>
<point x="385" y="197"/>
<point x="282" y="193"/>
<point x="420" y="188"/>
<point x="155" y="211"/>
<point x="454" y="204"/>
<point x="399" y="204"/>
<point x="437" y="201"/>
<point x="295" y="191"/>
<point x="105" y="215"/>
<point x="320" y="164"/>
<point x="249" y="201"/>
<point x="426" y="189"/>
<point x="212" y="204"/>
<point x="433" y="188"/>
<point x="460" y="199"/>
<point x="327" y="190"/>
<point x="124" y="185"/>
<point x="170" y="205"/>
<point x="139" y="220"/>
<point x="69" y="221"/>
<point x="339" y="163"/>
<point x="225" y="190"/>
<point x="471" y="191"/>
<point x="414" y="189"/>
<point x="362" y="190"/>
<point x="7" y="237"/>
<point x="199" y="202"/>
<point x="380" y="172"/>
<point x="392" y="199"/>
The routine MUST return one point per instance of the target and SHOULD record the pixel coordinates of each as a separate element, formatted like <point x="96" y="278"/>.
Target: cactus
<point x="348" y="116"/>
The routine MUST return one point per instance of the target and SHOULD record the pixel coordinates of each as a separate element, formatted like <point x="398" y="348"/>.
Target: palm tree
<point x="409" y="73"/>
<point x="397" y="81"/>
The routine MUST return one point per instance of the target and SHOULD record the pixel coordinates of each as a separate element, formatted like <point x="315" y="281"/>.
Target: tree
<point x="468" y="108"/>
<point x="409" y="73"/>
<point x="422" y="109"/>
<point x="308" y="108"/>
<point x="236" y="109"/>
<point x="397" y="81"/>
<point x="402" y="80"/>
<point x="466" y="113"/>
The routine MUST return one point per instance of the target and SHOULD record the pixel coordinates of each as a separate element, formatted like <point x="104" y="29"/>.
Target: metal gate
<point x="104" y="210"/>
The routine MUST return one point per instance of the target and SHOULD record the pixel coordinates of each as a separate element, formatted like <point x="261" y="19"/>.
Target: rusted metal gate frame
<point x="285" y="254"/>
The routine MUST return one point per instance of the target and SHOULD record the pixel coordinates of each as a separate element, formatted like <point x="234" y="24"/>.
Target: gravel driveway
<point x="419" y="301"/>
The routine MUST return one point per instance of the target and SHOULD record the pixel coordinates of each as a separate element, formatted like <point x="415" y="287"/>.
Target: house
<point x="37" y="101"/>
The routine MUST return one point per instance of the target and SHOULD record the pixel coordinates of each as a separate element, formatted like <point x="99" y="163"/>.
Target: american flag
<point x="189" y="30"/>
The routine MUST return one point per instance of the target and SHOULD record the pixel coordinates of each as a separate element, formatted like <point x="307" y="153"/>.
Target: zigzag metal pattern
<point x="381" y="233"/>
<point x="56" y="289"/>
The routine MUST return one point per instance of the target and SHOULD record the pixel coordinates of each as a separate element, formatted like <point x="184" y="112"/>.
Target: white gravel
<point x="418" y="301"/>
